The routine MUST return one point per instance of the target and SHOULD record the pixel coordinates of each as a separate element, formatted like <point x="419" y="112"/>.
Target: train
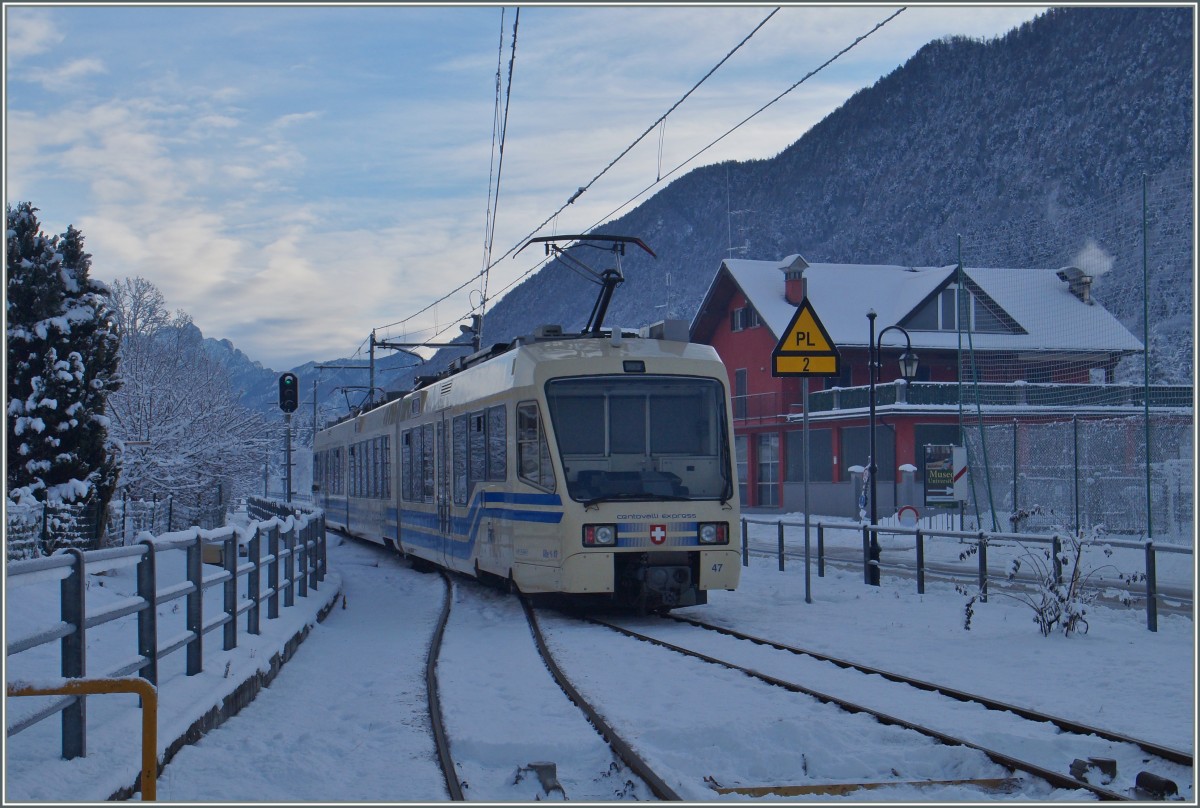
<point x="596" y="466"/>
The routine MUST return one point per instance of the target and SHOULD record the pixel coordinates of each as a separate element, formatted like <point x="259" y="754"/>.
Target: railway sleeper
<point x="993" y="784"/>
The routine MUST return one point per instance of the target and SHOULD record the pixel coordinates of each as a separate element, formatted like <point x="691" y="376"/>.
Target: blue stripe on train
<point x="421" y="527"/>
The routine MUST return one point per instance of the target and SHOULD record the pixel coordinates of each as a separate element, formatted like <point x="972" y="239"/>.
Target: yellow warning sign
<point x="805" y="348"/>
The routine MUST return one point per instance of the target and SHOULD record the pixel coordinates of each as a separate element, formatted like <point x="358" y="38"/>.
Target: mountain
<point x="1030" y="149"/>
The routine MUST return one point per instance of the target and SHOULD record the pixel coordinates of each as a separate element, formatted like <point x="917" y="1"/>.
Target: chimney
<point x="1078" y="283"/>
<point x="794" y="285"/>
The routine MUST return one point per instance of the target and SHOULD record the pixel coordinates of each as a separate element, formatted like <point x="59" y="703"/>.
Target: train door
<point x="442" y="493"/>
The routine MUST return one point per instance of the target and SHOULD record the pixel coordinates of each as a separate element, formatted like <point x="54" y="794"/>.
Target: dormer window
<point x="743" y="318"/>
<point x="980" y="314"/>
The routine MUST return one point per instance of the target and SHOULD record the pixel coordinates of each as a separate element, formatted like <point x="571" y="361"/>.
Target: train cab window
<point x="533" y="453"/>
<point x="641" y="437"/>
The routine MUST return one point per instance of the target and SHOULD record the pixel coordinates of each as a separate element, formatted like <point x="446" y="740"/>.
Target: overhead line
<point x="649" y="129"/>
<point x="761" y="109"/>
<point x="642" y="136"/>
<point x="752" y="115"/>
<point x="806" y="77"/>
<point x="499" y="171"/>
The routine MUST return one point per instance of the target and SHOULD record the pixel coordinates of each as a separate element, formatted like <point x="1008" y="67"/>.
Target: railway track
<point x="504" y="732"/>
<point x="1108" y="765"/>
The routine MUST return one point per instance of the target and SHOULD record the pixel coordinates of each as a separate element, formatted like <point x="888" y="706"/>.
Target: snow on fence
<point x="284" y="556"/>
<point x="976" y="543"/>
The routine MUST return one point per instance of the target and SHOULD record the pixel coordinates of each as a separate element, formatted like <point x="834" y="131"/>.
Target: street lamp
<point x="908" y="369"/>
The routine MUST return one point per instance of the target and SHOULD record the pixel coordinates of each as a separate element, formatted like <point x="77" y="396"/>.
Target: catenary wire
<point x="550" y="218"/>
<point x="638" y="195"/>
<point x="491" y="236"/>
<point x="737" y="126"/>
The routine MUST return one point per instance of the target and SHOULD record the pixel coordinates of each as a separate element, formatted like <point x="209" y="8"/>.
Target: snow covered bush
<point x="1052" y="582"/>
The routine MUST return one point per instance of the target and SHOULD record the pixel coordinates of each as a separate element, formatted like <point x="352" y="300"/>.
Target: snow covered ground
<point x="345" y="719"/>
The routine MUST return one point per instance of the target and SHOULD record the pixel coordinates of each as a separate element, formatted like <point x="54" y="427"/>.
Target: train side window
<point x="459" y="438"/>
<point x="477" y="447"/>
<point x="533" y="453"/>
<point x="427" y="462"/>
<point x="406" y="464"/>
<point x="377" y="467"/>
<point x="387" y="466"/>
<point x="497" y="443"/>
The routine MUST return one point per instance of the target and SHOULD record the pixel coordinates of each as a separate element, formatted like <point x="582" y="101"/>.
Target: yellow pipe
<point x="149" y="694"/>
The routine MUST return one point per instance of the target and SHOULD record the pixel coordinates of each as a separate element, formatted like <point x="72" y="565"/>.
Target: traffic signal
<point x="289" y="394"/>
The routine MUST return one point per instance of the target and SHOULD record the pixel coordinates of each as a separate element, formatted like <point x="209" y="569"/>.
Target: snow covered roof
<point x="1036" y="299"/>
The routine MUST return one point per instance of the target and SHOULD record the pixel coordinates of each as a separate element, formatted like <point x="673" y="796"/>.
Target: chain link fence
<point x="41" y="529"/>
<point x="1130" y="471"/>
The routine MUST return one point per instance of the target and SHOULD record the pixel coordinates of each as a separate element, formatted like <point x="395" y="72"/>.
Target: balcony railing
<point x="1012" y="394"/>
<point x="758" y="408"/>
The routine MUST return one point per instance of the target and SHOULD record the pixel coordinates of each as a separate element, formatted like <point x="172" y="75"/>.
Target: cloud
<point x="29" y="32"/>
<point x="67" y="76"/>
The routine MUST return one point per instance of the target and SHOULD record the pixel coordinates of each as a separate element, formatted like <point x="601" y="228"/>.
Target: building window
<point x="846" y="376"/>
<point x="980" y="314"/>
<point x="768" y="469"/>
<point x="793" y="471"/>
<point x="743" y="318"/>
<point x="740" y="384"/>
<point x="741" y="445"/>
<point x="856" y="449"/>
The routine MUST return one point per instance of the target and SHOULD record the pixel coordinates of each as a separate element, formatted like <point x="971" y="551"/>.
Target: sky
<point x="294" y="177"/>
<point x="345" y="720"/>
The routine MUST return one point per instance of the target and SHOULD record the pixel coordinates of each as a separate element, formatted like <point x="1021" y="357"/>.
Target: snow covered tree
<point x="62" y="367"/>
<point x="180" y="402"/>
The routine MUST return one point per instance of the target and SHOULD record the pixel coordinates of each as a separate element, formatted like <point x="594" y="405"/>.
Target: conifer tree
<point x="62" y="365"/>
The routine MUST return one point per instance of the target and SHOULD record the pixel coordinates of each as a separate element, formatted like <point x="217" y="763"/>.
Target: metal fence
<point x="977" y="542"/>
<point x="285" y="557"/>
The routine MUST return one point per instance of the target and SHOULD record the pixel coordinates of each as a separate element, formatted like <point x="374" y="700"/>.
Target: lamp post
<point x="908" y="369"/>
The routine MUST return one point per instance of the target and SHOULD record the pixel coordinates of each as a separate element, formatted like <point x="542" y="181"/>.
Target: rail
<point x="302" y="540"/>
<point x="980" y="540"/>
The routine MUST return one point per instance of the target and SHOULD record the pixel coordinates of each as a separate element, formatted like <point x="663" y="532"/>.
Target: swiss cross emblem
<point x="658" y="533"/>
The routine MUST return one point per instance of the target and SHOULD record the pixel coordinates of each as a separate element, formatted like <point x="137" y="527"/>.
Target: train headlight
<point x="714" y="533"/>
<point x="599" y="535"/>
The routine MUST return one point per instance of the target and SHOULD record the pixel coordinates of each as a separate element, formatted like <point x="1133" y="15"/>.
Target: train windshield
<point x="641" y="437"/>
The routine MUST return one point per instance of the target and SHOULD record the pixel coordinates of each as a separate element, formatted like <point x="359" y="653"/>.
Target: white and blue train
<point x="597" y="465"/>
